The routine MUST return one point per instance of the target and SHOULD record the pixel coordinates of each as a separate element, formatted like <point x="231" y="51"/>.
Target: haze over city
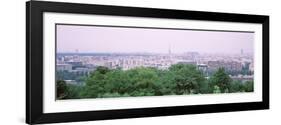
<point x="107" y="62"/>
<point x="96" y="39"/>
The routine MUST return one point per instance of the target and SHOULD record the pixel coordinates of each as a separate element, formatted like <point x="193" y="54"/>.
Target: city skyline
<point x="97" y="39"/>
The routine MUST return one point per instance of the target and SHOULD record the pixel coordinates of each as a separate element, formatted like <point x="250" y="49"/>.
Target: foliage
<point x="179" y="79"/>
<point x="221" y="79"/>
<point x="238" y="86"/>
<point x="67" y="91"/>
<point x="73" y="91"/>
<point x="249" y="86"/>
<point x="61" y="89"/>
<point x="216" y="89"/>
<point x="186" y="78"/>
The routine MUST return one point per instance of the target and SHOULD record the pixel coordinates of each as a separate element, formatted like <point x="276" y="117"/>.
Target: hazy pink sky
<point x="118" y="39"/>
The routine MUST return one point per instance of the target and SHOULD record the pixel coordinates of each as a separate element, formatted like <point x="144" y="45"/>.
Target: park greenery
<point x="179" y="79"/>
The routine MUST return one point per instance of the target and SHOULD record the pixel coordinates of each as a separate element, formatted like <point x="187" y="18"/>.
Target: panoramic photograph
<point x="113" y="61"/>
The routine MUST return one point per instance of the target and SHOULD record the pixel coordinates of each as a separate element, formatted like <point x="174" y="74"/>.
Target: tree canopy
<point x="179" y="79"/>
<point x="221" y="79"/>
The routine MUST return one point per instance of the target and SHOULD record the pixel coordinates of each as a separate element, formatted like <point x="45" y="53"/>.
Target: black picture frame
<point x="34" y="61"/>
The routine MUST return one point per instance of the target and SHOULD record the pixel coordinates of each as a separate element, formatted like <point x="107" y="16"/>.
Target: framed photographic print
<point x="95" y="62"/>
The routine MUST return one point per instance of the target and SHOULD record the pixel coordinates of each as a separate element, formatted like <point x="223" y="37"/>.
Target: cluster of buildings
<point x="238" y="65"/>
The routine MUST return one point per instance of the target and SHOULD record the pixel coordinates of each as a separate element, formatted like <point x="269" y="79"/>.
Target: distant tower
<point x="170" y="51"/>
<point x="242" y="52"/>
<point x="76" y="57"/>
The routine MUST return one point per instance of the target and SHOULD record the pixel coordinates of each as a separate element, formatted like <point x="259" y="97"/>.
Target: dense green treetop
<point x="179" y="79"/>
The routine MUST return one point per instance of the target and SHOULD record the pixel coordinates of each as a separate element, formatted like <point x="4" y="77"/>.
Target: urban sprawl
<point x="240" y="66"/>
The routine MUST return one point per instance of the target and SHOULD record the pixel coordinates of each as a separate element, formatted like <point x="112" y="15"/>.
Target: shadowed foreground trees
<point x="187" y="79"/>
<point x="67" y="91"/>
<point x="179" y="79"/>
<point x="221" y="80"/>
